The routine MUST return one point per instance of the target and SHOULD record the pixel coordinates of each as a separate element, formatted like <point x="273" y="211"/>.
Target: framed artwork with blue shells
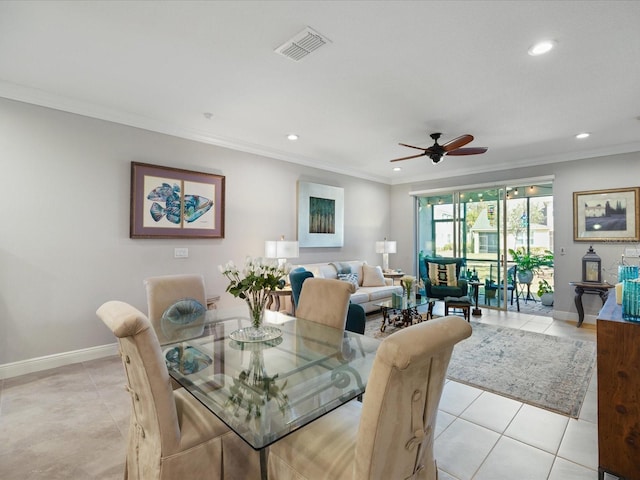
<point x="175" y="203"/>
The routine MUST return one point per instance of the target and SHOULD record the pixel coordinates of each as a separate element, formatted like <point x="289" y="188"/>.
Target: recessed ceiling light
<point x="541" y="48"/>
<point x="292" y="136"/>
<point x="582" y="135"/>
<point x="397" y="169"/>
<point x="208" y="115"/>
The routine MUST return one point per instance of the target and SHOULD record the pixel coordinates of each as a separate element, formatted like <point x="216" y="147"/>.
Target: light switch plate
<point x="181" y="252"/>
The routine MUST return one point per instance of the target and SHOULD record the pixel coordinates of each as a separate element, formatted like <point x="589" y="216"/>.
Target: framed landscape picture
<point x="175" y="203"/>
<point x="320" y="215"/>
<point x="606" y="215"/>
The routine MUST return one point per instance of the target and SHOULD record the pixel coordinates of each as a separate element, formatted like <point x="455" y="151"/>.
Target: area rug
<point x="541" y="370"/>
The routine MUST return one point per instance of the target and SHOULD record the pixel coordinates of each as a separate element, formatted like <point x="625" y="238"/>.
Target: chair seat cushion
<point x="457" y="300"/>
<point x="307" y="452"/>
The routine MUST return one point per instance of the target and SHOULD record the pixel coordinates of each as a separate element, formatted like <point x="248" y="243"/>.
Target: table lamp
<point x="281" y="249"/>
<point x="385" y="247"/>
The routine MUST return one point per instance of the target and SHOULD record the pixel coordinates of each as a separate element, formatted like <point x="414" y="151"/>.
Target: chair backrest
<point x="297" y="277"/>
<point x="164" y="291"/>
<point x="153" y="404"/>
<point x="460" y="262"/>
<point x="326" y="301"/>
<point x="396" y="431"/>
<point x="511" y="275"/>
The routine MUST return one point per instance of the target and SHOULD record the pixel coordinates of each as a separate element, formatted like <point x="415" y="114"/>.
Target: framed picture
<point x="320" y="215"/>
<point x="175" y="203"/>
<point x="606" y="215"/>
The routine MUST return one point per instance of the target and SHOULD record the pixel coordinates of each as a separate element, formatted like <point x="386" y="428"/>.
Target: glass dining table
<point x="264" y="390"/>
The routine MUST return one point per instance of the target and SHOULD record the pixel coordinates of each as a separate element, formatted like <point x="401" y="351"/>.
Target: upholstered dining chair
<point x="326" y="301"/>
<point x="390" y="435"/>
<point x="164" y="291"/>
<point x="356" y="316"/>
<point x="171" y="434"/>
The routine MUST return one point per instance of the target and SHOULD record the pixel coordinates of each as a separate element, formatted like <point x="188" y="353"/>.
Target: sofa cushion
<point x="350" y="277"/>
<point x="443" y="274"/>
<point x="361" y="296"/>
<point x="378" y="294"/>
<point x="372" y="276"/>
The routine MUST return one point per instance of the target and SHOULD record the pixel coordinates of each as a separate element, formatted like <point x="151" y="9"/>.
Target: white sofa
<point x="365" y="295"/>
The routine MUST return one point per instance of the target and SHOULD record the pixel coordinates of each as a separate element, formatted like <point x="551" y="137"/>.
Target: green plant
<point x="544" y="287"/>
<point x="529" y="261"/>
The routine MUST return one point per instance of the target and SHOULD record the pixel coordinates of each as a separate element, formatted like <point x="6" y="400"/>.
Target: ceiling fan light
<point x="435" y="158"/>
<point x="541" y="48"/>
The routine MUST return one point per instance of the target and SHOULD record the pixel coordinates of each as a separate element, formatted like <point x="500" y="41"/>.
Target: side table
<point x="593" y="288"/>
<point x="393" y="276"/>
<point x="275" y="295"/>
<point x="476" y="287"/>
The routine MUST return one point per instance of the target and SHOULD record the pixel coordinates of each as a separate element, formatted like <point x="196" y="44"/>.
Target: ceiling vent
<point x="302" y="44"/>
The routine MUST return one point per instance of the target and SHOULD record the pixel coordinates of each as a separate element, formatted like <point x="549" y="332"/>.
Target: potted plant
<point x="545" y="292"/>
<point x="529" y="263"/>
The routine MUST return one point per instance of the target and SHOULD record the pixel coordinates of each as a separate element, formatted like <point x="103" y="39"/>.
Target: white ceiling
<point x="394" y="72"/>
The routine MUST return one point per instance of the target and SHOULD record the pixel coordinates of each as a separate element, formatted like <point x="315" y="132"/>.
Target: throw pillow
<point x="372" y="276"/>
<point x="443" y="274"/>
<point x="349" y="277"/>
<point x="341" y="267"/>
<point x="184" y="311"/>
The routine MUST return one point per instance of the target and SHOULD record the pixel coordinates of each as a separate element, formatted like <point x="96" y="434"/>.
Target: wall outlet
<point x="181" y="252"/>
<point x="632" y="252"/>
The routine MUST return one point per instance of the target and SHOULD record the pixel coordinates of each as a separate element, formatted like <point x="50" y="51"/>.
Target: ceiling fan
<point x="437" y="151"/>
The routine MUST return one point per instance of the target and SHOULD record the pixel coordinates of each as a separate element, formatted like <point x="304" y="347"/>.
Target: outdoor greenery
<point x="544" y="287"/>
<point x="531" y="261"/>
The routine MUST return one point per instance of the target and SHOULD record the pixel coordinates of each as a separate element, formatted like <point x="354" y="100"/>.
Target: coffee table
<point x="404" y="314"/>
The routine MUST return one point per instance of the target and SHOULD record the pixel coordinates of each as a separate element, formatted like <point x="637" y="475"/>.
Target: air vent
<point x="302" y="44"/>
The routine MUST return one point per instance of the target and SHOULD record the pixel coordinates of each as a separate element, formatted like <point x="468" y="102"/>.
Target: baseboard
<point x="14" y="369"/>
<point x="572" y="317"/>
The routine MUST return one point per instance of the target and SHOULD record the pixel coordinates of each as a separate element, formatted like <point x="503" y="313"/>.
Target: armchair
<point x="445" y="286"/>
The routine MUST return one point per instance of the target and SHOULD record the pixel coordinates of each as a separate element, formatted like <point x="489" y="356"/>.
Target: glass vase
<point x="631" y="300"/>
<point x="627" y="272"/>
<point x="256" y="315"/>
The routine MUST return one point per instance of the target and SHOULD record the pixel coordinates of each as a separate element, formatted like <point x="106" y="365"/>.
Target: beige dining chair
<point x="390" y="434"/>
<point x="163" y="292"/>
<point x="171" y="434"/>
<point x="325" y="300"/>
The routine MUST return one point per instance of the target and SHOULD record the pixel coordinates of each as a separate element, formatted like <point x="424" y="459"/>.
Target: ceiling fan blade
<point x="407" y="158"/>
<point x="468" y="151"/>
<point x="456" y="143"/>
<point x="411" y="146"/>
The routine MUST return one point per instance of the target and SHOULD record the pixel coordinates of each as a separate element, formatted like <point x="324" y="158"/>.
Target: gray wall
<point x="615" y="171"/>
<point x="64" y="233"/>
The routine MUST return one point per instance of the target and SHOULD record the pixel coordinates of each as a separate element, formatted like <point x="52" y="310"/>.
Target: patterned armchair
<point x="443" y="277"/>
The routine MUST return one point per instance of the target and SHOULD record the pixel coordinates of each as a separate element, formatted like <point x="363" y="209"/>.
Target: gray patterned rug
<point x="542" y="370"/>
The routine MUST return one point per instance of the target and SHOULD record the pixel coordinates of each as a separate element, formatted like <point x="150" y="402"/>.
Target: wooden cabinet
<point x="618" y="393"/>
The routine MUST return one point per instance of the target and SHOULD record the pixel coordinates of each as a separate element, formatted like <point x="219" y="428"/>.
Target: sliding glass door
<point x="481" y="225"/>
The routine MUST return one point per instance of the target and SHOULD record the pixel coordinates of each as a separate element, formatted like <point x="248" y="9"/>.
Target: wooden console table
<point x="618" y="386"/>
<point x="593" y="288"/>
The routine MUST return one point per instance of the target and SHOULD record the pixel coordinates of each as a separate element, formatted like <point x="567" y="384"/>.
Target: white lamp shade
<point x="386" y="246"/>
<point x="281" y="249"/>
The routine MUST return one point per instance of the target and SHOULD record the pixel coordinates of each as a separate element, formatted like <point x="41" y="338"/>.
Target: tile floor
<point x="71" y="423"/>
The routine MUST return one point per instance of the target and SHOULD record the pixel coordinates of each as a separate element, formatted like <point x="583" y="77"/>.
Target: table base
<point x="399" y="317"/>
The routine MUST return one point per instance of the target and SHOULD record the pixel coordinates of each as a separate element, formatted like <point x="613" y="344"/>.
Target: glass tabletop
<point x="406" y="303"/>
<point x="265" y="390"/>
